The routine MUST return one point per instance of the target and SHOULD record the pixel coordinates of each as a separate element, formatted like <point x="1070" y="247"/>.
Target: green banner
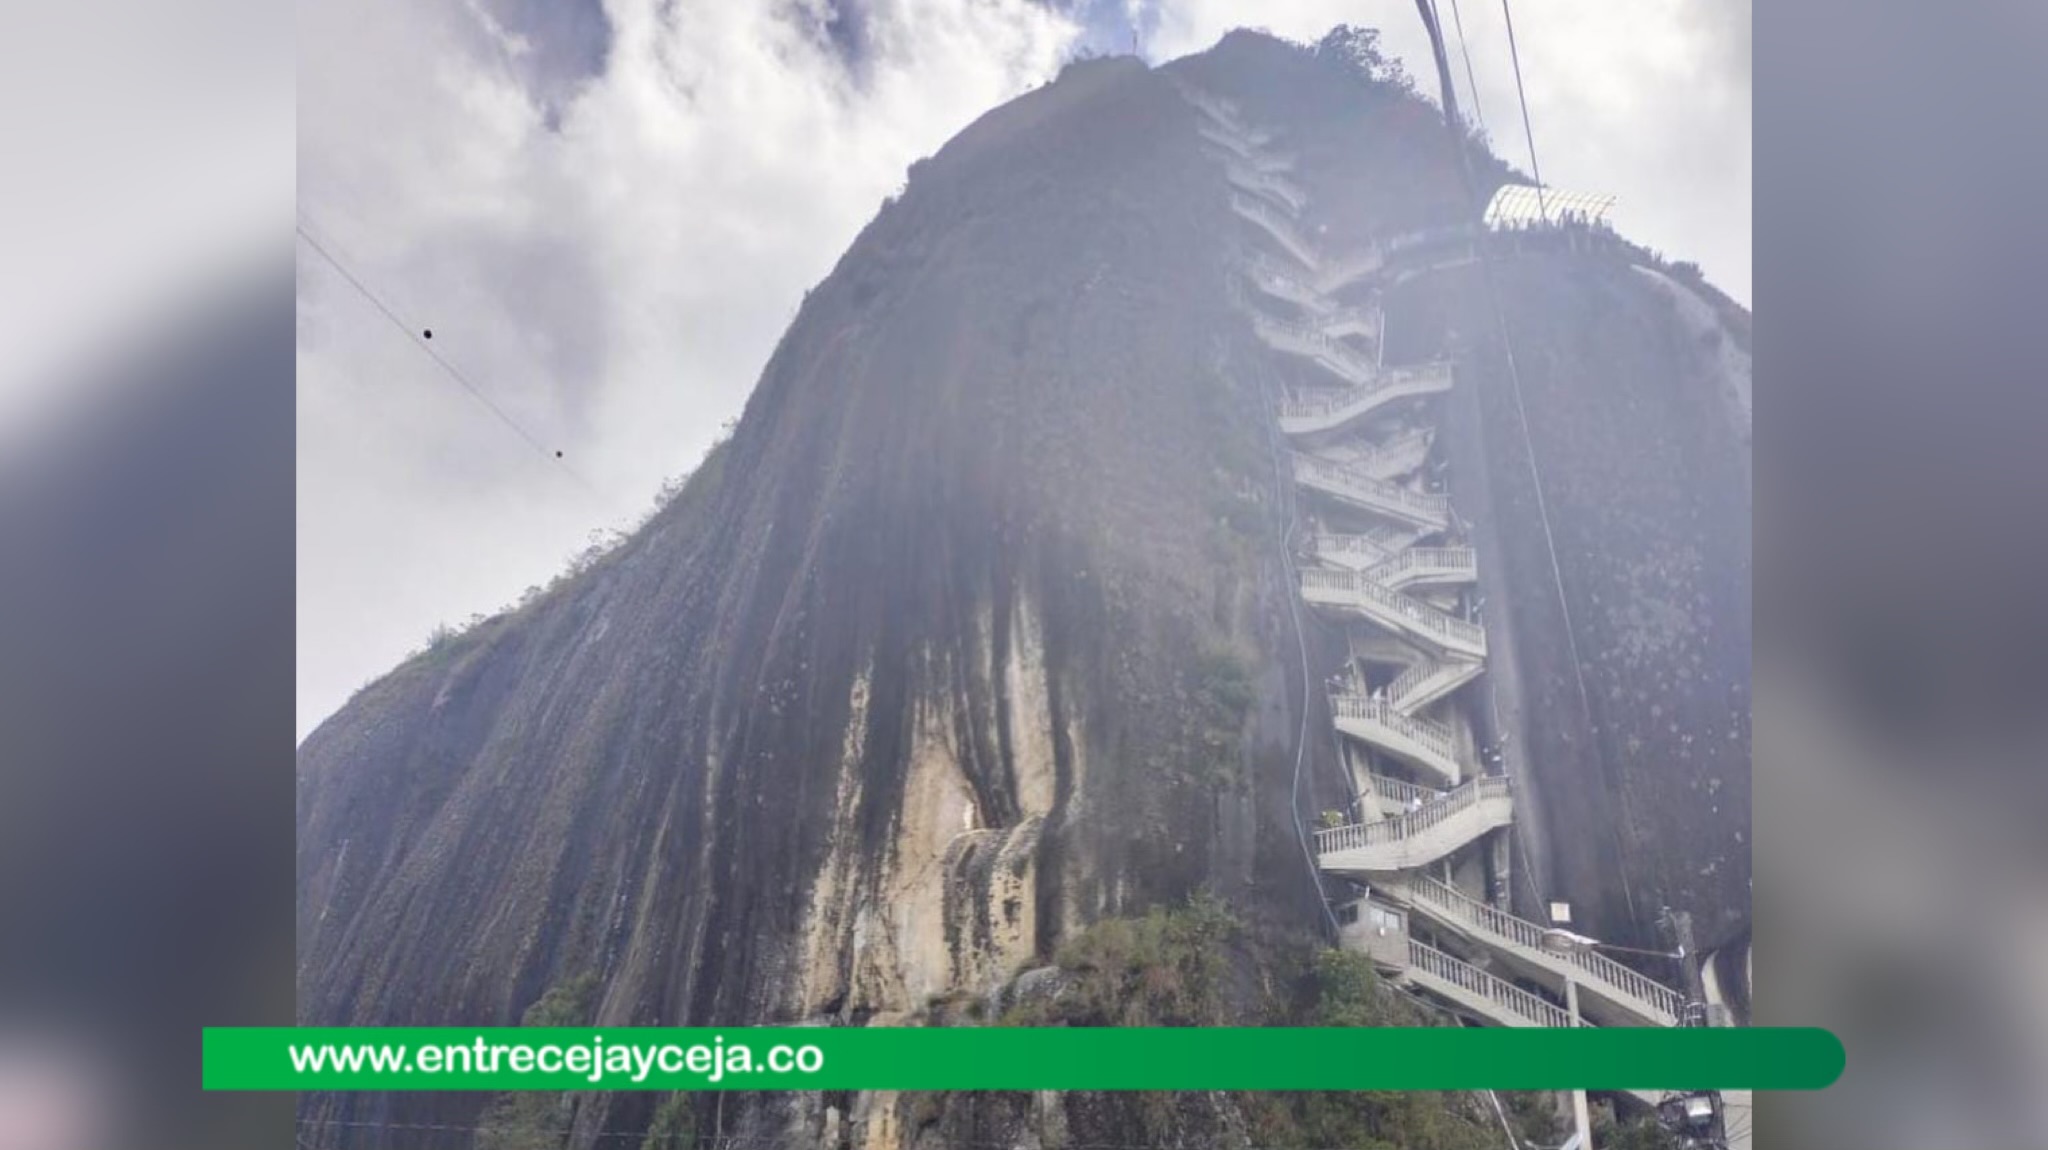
<point x="1012" y="1058"/>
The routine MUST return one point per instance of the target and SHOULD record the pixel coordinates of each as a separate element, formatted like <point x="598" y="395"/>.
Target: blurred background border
<point x="146" y="565"/>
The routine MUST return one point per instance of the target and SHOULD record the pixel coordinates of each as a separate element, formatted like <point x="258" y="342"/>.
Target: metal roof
<point x="1520" y="204"/>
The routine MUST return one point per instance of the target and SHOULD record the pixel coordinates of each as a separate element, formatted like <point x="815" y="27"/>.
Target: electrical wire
<point x="1503" y="1116"/>
<point x="1535" y="172"/>
<point x="325" y="252"/>
<point x="1282" y="487"/>
<point x="1550" y="545"/>
<point x="1515" y="836"/>
<point x="1471" y="81"/>
<point x="1428" y="14"/>
<point x="1284" y="504"/>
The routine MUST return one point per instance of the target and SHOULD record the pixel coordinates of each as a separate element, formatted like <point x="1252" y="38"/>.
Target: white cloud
<point x="617" y="284"/>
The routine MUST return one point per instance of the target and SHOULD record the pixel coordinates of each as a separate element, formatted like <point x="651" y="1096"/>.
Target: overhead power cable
<point x="1282" y="492"/>
<point x="1502" y="1115"/>
<point x="1471" y="81"/>
<point x="1427" y="10"/>
<point x="1535" y="172"/>
<point x="419" y="339"/>
<point x="1486" y="274"/>
<point x="1529" y="447"/>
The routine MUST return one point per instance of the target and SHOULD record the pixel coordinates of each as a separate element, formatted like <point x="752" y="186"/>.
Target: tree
<point x="1358" y="49"/>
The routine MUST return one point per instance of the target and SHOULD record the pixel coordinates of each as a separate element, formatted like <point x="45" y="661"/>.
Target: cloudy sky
<point x="607" y="212"/>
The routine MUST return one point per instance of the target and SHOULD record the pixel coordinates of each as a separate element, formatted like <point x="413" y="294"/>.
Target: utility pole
<point x="1582" y="1122"/>
<point x="1680" y="923"/>
<point x="1699" y="1116"/>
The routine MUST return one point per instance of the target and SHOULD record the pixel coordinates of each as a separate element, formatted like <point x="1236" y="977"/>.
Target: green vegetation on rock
<point x="528" y="1120"/>
<point x="1200" y="965"/>
<point x="1222" y="697"/>
<point x="1162" y="969"/>
<point x="674" y="1126"/>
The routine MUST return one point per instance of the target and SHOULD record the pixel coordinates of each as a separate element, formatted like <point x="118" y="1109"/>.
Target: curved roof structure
<point x="1522" y="204"/>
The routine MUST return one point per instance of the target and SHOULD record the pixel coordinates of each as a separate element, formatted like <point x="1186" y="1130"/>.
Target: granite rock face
<point x="978" y="629"/>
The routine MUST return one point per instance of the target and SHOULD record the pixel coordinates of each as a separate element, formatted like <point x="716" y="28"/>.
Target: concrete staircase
<point x="1337" y="409"/>
<point x="1275" y="187"/>
<point x="1394" y="796"/>
<point x="1371" y="575"/>
<point x="1276" y="224"/>
<point x="1419" y="836"/>
<point x="1429" y="679"/>
<point x="1363" y="321"/>
<point x="1243" y="144"/>
<point x="1350" y="552"/>
<point x="1362" y="491"/>
<point x="1385" y="460"/>
<point x="1419" y="566"/>
<point x="1421" y="743"/>
<point x="1612" y="993"/>
<point x="1276" y="280"/>
<point x="1310" y="342"/>
<point x="1494" y="1000"/>
<point x="1487" y="999"/>
<point x="1357" y="593"/>
<point x="1421" y="249"/>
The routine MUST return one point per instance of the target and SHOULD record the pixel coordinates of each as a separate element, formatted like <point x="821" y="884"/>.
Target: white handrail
<point x="1308" y="339"/>
<point x="1324" y="543"/>
<point x="1358" y="585"/>
<point x="1521" y="932"/>
<point x="1446" y="805"/>
<point x="1392" y="537"/>
<point x="1411" y="678"/>
<point x="1345" y="267"/>
<point x="1259" y="210"/>
<point x="1402" y="441"/>
<point x="1366" y="316"/>
<point x="1403" y="792"/>
<point x="1279" y="225"/>
<point x="1437" y="375"/>
<point x="1459" y="560"/>
<point x="1253" y="180"/>
<point x="1369" y="258"/>
<point x="1223" y="138"/>
<point x="1395" y="450"/>
<point x="1430" y="679"/>
<point x="1222" y="110"/>
<point x="1275" y="280"/>
<point x="1430" y="736"/>
<point x="1336" y="475"/>
<point x="1510" y="998"/>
